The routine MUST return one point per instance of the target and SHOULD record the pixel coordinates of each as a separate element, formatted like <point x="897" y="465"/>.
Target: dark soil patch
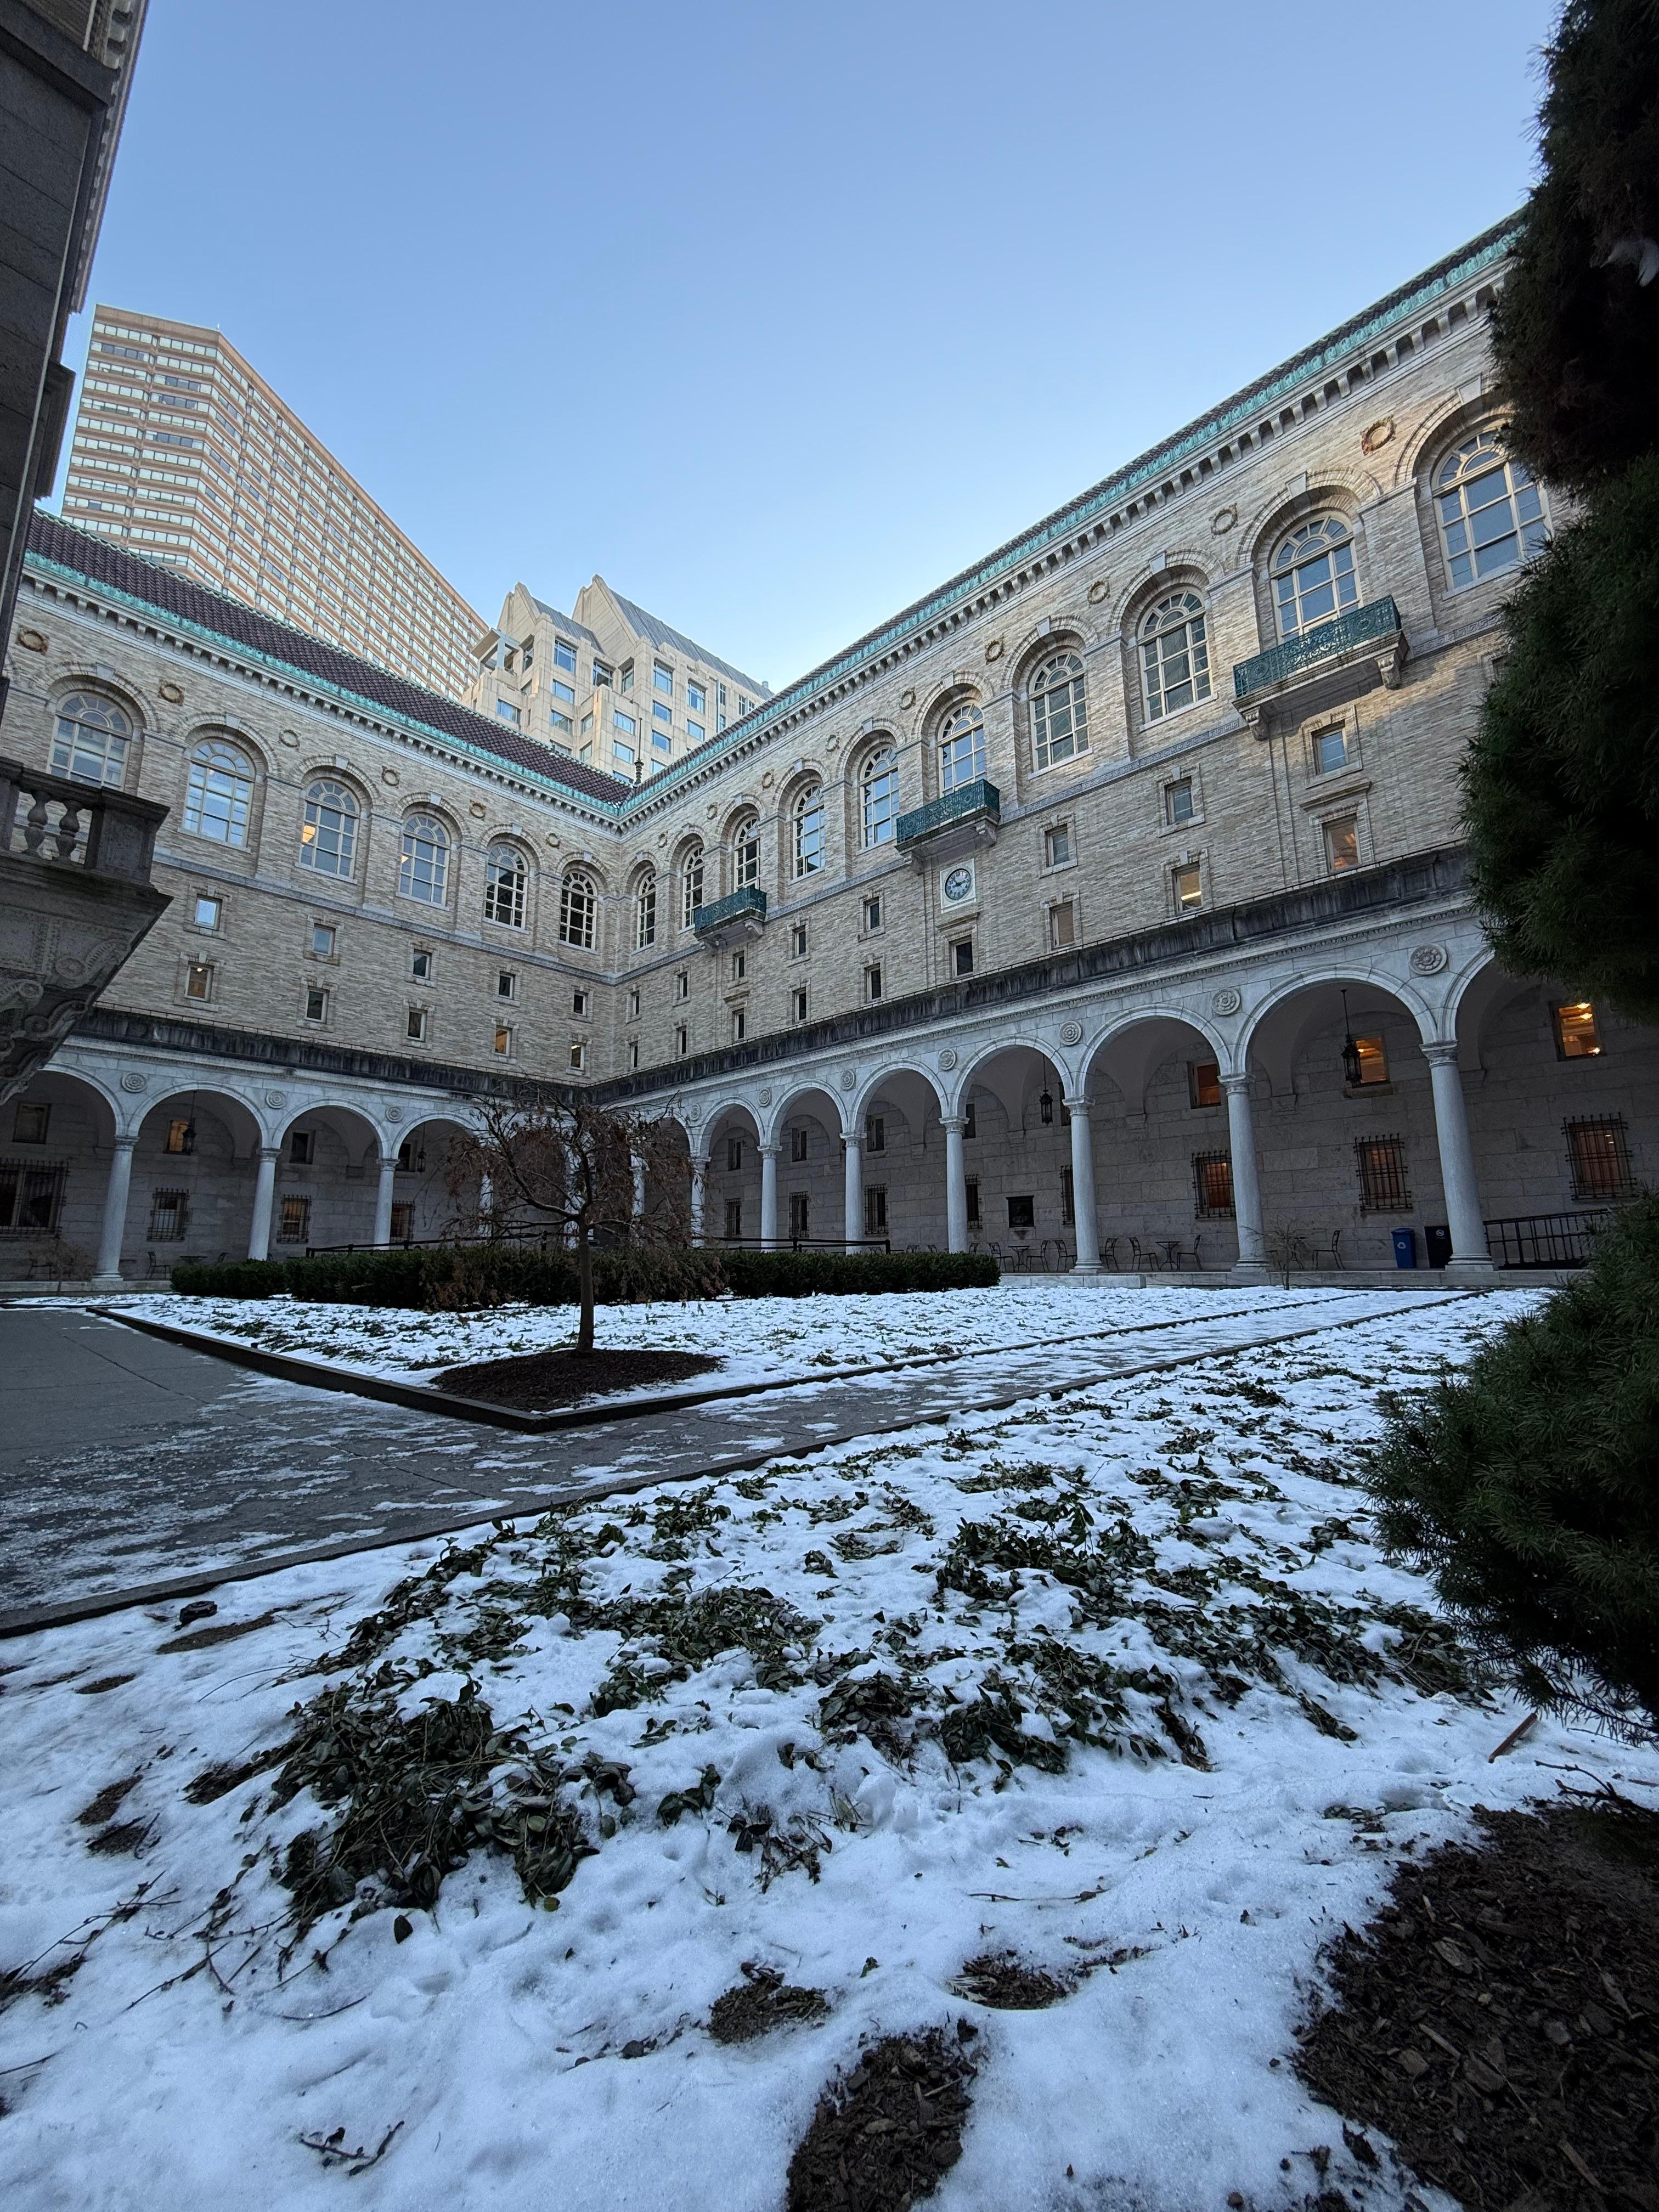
<point x="538" y="1381"/>
<point x="1009" y="1984"/>
<point x="888" y="2132"/>
<point x="760" y="2002"/>
<point x="105" y="1805"/>
<point x="223" y="1632"/>
<point x="1500" y="2018"/>
<point x="117" y="1842"/>
<point x="104" y="1682"/>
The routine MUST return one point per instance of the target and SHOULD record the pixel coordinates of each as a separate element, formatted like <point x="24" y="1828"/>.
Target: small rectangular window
<point x="1062" y="926"/>
<point x="625" y="723"/>
<point x="622" y="754"/>
<point x="961" y="957"/>
<point x="415" y="1028"/>
<point x="969" y="1121"/>
<point x="1186" y="885"/>
<point x="324" y="939"/>
<point x="800" y="1004"/>
<point x="626" y="682"/>
<point x="875" y="1132"/>
<point x="501" y="1043"/>
<point x="633" y="1053"/>
<point x="872" y="913"/>
<point x="303" y="1147"/>
<point x="30" y="1124"/>
<point x="587" y="729"/>
<point x="198" y="980"/>
<point x="739" y="966"/>
<point x="578" y="1003"/>
<point x="1204" y="1083"/>
<point x="1212" y="1186"/>
<point x="661" y="741"/>
<point x="1598" y="1152"/>
<point x="1342" y="845"/>
<point x="403" y="1221"/>
<point x="733" y="1219"/>
<point x="507" y="983"/>
<point x="603" y="674"/>
<point x="1178" y="802"/>
<point x="682" y="1042"/>
<point x="875" y="1210"/>
<point x="210" y="912"/>
<point x="293" y="1220"/>
<point x="682" y="984"/>
<point x="181" y="1135"/>
<point x="1022" y="1214"/>
<point x="1067" y="1195"/>
<point x="316" y="1004"/>
<point x="663" y="716"/>
<point x="1057" y="846"/>
<point x="734" y="1154"/>
<point x="169" y="1216"/>
<point x="507" y="710"/>
<point x="797" y="1145"/>
<point x="872" y="981"/>
<point x="1373" y="1060"/>
<point x="633" y="1005"/>
<point x="564" y="655"/>
<point x="578" y="1057"/>
<point x="973" y="1202"/>
<point x="1575" y="1033"/>
<point x="565" y="691"/>
<point x="420" y="967"/>
<point x="798" y="941"/>
<point x="1330" y="750"/>
<point x="739" y="1024"/>
<point x="662" y="678"/>
<point x="799" y="1213"/>
<point x="695" y="697"/>
<point x="1382" y="1166"/>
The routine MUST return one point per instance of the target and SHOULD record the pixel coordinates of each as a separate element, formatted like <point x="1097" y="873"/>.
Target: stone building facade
<point x="1107" y="907"/>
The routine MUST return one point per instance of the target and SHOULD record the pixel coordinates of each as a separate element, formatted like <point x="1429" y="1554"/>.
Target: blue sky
<point x="776" y="316"/>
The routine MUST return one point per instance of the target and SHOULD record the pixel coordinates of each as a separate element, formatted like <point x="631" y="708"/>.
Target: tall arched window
<point x="745" y="851"/>
<point x="645" y="911"/>
<point x="506" y="886"/>
<point x="423" y="867"/>
<point x="219" y="791"/>
<point x="1060" y="710"/>
<point x="92" y="739"/>
<point x="328" y="828"/>
<point x="1313" y="575"/>
<point x="808" y="831"/>
<point x="961" y="747"/>
<point x="578" y="905"/>
<point x="878" y="788"/>
<point x="1175" y="655"/>
<point x="690" y="885"/>
<point x="1493" y="515"/>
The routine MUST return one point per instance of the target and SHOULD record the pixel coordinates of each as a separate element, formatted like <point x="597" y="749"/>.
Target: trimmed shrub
<point x="1529" y="1487"/>
<point x="464" y="1278"/>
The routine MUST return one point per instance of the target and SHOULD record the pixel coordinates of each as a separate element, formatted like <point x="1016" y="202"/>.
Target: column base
<point x="1478" y="1274"/>
<point x="1096" y="1270"/>
<point x="109" y="1282"/>
<point x="1250" y="1271"/>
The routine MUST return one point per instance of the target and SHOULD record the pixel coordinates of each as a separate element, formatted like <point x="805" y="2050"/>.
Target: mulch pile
<point x="888" y="2132"/>
<point x="538" y="1381"/>
<point x="1008" y="1984"/>
<point x="760" y="2002"/>
<point x="1499" y="2019"/>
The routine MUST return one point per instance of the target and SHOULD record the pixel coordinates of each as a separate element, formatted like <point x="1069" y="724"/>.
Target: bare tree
<point x="598" y="1177"/>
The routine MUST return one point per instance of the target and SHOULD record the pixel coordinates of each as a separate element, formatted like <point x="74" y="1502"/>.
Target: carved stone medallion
<point x="1429" y="959"/>
<point x="849" y="1077"/>
<point x="276" y="1097"/>
<point x="1223" y="520"/>
<point x="1227" y="1001"/>
<point x="947" y="1059"/>
<point x="1071" y="1032"/>
<point x="134" y="1083"/>
<point x="394" y="1114"/>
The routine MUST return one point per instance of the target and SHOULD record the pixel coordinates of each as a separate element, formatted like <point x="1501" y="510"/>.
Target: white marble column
<point x="114" y="1229"/>
<point x="851" y="1228"/>
<point x="768" y="1220"/>
<point x="1252" y="1262"/>
<point x="638" y="1165"/>
<point x="1471" y="1261"/>
<point x="1083" y="1187"/>
<point x="264" y="1192"/>
<point x="956" y="1184"/>
<point x="699" y="1169"/>
<point x="383" y="1196"/>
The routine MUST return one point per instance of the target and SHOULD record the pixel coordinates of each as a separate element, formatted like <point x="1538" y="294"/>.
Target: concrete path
<point x="124" y="1461"/>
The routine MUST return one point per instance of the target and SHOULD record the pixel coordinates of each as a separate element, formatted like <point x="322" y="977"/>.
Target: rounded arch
<point x="428" y="848"/>
<point x="55" y="1085"/>
<point x="224" y="774"/>
<point x="1170" y="1016"/>
<point x="509" y="882"/>
<point x="1349" y="491"/>
<point x="335" y="814"/>
<point x="1051" y="699"/>
<point x="91" y="680"/>
<point x="1025" y="657"/>
<point x="1035" y="1049"/>
<point x="809" y="1102"/>
<point x="357" y="1131"/>
<point x="1360" y="998"/>
<point x="908" y="1083"/>
<point x="1436" y="427"/>
<point x="244" y="1124"/>
<point x="1177" y="571"/>
<point x="95" y="736"/>
<point x="1334" y="974"/>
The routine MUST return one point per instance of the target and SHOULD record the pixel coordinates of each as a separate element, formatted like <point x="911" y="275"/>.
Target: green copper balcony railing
<point x="749" y="900"/>
<point x="1379" y="618"/>
<point x="958" y="805"/>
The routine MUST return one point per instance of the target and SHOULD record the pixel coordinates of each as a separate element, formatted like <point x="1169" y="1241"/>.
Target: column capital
<point x="1238" y="1085"/>
<point x="125" y="1143"/>
<point x="700" y="1161"/>
<point x="771" y="1151"/>
<point x="953" y="1124"/>
<point x="1442" y="1052"/>
<point x="1077" y="1108"/>
<point x="853" y="1139"/>
<point x="267" y="1151"/>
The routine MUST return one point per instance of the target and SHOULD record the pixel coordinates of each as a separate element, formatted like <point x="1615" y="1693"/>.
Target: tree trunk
<point x="584" y="1283"/>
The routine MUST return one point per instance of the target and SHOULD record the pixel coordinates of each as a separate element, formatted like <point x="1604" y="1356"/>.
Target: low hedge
<point x="463" y="1278"/>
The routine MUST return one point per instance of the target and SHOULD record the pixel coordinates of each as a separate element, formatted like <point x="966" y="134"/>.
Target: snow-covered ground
<point x="1115" y="1683"/>
<point x="755" y="1340"/>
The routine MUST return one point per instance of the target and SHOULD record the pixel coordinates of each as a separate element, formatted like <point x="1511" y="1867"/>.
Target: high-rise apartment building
<point x="182" y="452"/>
<point x="609" y="684"/>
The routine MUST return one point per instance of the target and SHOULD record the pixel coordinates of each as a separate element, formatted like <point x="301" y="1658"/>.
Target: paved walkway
<point x="124" y="1460"/>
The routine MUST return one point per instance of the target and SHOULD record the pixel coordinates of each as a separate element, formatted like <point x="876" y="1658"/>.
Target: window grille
<point x="1212" y="1186"/>
<point x="733" y="1154"/>
<point x="1067" y="1195"/>
<point x="797" y="1145"/>
<point x="1598" y="1151"/>
<point x="973" y="1202"/>
<point x="31" y="1197"/>
<point x="733" y="1218"/>
<point x="799" y="1213"/>
<point x="875" y="1210"/>
<point x="403" y="1221"/>
<point x="169" y="1216"/>
<point x="1381" y="1167"/>
<point x="294" y="1222"/>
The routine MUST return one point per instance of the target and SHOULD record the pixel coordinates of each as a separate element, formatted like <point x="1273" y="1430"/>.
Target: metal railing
<point x="785" y="1243"/>
<point x="967" y="799"/>
<point x="1379" y="618"/>
<point x="749" y="900"/>
<point x="61" y="824"/>
<point x="1543" y="1240"/>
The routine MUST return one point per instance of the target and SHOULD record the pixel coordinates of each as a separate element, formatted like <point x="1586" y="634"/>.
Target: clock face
<point x="959" y="885"/>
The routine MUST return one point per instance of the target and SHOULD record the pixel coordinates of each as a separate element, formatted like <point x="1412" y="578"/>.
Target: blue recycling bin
<point x="1405" y="1248"/>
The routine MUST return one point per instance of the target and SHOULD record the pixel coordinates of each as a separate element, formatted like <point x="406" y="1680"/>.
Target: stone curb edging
<point x="26" y="1622"/>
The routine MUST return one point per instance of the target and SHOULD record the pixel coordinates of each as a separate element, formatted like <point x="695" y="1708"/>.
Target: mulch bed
<point x="538" y="1381"/>
<point x="762" y="2001"/>
<point x="1008" y="1984"/>
<point x="1499" y="2019"/>
<point x="886" y="2134"/>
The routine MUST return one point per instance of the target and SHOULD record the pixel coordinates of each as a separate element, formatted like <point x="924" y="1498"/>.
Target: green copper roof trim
<point x="1401" y="304"/>
<point x="310" y="682"/>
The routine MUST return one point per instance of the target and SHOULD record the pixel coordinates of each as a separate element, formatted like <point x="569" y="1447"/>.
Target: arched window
<point x="1313" y="575"/>
<point x="328" y="829"/>
<point x="808" y="841"/>
<point x="1060" y="710"/>
<point x="645" y="911"/>
<point x="1175" y="655"/>
<point x="745" y="851"/>
<point x="577" y="907"/>
<point x="92" y="739"/>
<point x="878" y="784"/>
<point x="423" y="868"/>
<point x="218" y="792"/>
<point x="961" y="747"/>
<point x="1493" y="515"/>
<point x="507" y="886"/>
<point x="690" y="885"/>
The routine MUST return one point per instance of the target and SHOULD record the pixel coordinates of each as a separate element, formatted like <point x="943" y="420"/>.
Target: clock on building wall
<point x="959" y="885"/>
